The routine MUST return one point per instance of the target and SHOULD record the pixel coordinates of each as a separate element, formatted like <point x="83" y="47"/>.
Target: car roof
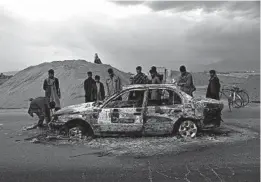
<point x="150" y="86"/>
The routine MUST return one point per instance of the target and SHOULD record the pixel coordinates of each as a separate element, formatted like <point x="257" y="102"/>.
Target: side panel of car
<point x="161" y="115"/>
<point x="123" y="114"/>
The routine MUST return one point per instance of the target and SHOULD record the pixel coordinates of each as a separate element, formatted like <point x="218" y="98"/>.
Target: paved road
<point x="25" y="162"/>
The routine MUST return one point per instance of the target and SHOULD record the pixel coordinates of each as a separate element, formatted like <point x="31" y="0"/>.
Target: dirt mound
<point x="28" y="83"/>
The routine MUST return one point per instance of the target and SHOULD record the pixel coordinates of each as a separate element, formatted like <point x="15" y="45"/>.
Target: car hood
<point x="75" y="109"/>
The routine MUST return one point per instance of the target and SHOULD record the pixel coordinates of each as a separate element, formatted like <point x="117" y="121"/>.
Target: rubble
<point x="35" y="140"/>
<point x="144" y="146"/>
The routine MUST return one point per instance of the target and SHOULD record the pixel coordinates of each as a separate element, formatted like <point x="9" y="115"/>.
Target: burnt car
<point x="161" y="109"/>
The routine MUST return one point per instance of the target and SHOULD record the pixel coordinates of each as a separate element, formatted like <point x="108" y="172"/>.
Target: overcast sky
<point x="127" y="34"/>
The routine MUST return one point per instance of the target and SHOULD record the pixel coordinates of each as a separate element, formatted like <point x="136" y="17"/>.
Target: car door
<point x="124" y="113"/>
<point x="162" y="111"/>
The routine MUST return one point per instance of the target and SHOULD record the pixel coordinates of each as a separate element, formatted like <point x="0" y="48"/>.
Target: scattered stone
<point x="35" y="140"/>
<point x="34" y="126"/>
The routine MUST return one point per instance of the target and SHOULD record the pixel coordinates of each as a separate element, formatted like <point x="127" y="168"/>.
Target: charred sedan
<point x="141" y="110"/>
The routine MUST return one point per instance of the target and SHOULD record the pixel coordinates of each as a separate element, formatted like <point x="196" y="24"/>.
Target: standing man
<point x="140" y="78"/>
<point x="154" y="69"/>
<point x="213" y="86"/>
<point x="90" y="88"/>
<point x="97" y="60"/>
<point x="155" y="94"/>
<point x="131" y="80"/>
<point x="100" y="92"/>
<point x="52" y="89"/>
<point x="40" y="107"/>
<point x="113" y="83"/>
<point x="185" y="81"/>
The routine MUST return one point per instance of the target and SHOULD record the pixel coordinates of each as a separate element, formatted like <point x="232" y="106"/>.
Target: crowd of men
<point x="95" y="90"/>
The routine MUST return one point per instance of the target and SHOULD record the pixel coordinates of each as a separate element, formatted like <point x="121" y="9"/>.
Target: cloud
<point x="128" y="3"/>
<point x="241" y="8"/>
<point x="161" y="38"/>
<point x="184" y="6"/>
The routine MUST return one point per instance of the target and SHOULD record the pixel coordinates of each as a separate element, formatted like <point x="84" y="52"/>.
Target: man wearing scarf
<point x="185" y="81"/>
<point x="213" y="86"/>
<point x="52" y="89"/>
<point x="113" y="83"/>
<point x="140" y="78"/>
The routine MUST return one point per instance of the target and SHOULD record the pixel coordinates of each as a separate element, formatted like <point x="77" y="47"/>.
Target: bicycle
<point x="237" y="97"/>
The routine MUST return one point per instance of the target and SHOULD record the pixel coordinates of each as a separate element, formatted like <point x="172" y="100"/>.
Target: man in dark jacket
<point x="52" y="89"/>
<point x="100" y="92"/>
<point x="90" y="88"/>
<point x="213" y="86"/>
<point x="40" y="107"/>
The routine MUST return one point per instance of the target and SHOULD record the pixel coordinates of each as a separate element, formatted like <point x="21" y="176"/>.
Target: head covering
<point x="182" y="68"/>
<point x="110" y="70"/>
<point x="154" y="69"/>
<point x="138" y="68"/>
<point x="212" y="71"/>
<point x="51" y="71"/>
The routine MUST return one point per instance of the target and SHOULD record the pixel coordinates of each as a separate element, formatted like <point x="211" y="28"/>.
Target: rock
<point x="35" y="140"/>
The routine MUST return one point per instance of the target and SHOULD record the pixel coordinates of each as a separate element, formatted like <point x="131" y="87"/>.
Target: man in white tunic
<point x="52" y="89"/>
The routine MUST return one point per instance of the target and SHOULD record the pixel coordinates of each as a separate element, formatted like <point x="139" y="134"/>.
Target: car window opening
<point x="128" y="99"/>
<point x="163" y="97"/>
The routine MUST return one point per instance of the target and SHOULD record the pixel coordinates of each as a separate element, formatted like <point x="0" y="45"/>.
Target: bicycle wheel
<point x="244" y="96"/>
<point x="238" y="102"/>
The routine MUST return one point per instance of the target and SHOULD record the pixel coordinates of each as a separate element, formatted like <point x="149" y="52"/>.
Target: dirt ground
<point x="147" y="146"/>
<point x="231" y="153"/>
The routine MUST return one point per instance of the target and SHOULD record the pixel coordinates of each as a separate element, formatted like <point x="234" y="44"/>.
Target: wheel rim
<point x="75" y="132"/>
<point x="188" y="129"/>
<point x="238" y="102"/>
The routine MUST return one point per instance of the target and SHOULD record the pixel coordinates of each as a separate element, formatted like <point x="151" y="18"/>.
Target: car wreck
<point x="134" y="111"/>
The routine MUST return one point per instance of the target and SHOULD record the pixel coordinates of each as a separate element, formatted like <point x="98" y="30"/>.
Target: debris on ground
<point x="142" y="146"/>
<point x="34" y="126"/>
<point x="35" y="140"/>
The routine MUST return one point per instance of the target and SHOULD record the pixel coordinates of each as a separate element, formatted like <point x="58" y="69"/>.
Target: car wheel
<point x="188" y="129"/>
<point x="77" y="131"/>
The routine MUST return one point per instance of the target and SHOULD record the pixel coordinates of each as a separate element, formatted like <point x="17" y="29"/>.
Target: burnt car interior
<point x="164" y="97"/>
<point x="127" y="100"/>
<point x="134" y="98"/>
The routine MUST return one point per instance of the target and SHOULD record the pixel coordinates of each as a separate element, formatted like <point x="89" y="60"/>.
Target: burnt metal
<point x="114" y="117"/>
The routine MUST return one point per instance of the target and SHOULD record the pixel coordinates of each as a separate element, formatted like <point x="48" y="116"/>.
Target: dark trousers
<point x="88" y="99"/>
<point x="44" y="115"/>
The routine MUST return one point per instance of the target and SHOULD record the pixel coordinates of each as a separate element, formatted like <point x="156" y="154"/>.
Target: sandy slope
<point x="29" y="82"/>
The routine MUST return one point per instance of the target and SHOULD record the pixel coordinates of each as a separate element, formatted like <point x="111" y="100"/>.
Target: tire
<point x="244" y="96"/>
<point x="187" y="129"/>
<point x="76" y="129"/>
